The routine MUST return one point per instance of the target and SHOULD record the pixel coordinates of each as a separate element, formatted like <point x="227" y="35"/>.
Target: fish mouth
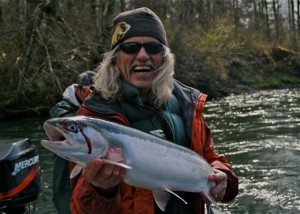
<point x="57" y="138"/>
<point x="54" y="133"/>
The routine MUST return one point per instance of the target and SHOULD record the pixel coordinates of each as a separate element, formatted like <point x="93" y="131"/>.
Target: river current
<point x="259" y="133"/>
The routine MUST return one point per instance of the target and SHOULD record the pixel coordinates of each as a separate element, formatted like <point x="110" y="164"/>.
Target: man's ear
<point x="116" y="62"/>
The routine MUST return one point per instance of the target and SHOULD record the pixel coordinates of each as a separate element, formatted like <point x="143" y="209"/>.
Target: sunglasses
<point x="135" y="47"/>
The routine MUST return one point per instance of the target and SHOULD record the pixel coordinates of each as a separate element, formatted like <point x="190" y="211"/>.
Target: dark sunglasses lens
<point x="133" y="47"/>
<point x="130" y="47"/>
<point x="153" y="47"/>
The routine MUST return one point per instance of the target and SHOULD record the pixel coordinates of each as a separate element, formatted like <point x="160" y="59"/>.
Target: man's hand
<point x="103" y="175"/>
<point x="219" y="190"/>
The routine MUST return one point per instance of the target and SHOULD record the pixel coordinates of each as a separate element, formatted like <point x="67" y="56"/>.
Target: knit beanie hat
<point x="137" y="22"/>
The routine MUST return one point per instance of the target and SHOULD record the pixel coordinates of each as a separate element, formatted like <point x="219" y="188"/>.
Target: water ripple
<point x="259" y="133"/>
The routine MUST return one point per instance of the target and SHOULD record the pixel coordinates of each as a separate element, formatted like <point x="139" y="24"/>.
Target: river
<point x="259" y="133"/>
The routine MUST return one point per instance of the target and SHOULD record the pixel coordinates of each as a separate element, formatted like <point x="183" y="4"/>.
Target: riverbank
<point x="16" y="114"/>
<point x="235" y="73"/>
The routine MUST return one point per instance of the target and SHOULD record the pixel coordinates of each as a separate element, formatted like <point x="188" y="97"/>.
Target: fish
<point x="152" y="163"/>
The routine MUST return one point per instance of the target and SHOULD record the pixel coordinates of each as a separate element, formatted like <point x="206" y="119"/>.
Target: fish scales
<point x="175" y="161"/>
<point x="155" y="163"/>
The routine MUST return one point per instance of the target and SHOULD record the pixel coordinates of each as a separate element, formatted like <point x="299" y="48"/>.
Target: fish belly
<point x="156" y="166"/>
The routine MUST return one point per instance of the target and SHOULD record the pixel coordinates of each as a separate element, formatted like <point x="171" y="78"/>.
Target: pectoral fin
<point x="76" y="170"/>
<point x="116" y="163"/>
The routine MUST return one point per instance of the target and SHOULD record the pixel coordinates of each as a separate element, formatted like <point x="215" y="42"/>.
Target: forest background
<point x="222" y="47"/>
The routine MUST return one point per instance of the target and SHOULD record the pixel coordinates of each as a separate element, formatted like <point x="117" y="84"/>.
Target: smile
<point x="142" y="68"/>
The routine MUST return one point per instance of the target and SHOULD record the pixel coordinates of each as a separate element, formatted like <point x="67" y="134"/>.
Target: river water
<point x="259" y="133"/>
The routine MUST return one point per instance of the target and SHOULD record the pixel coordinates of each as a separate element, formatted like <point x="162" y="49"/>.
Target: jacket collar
<point x="131" y="94"/>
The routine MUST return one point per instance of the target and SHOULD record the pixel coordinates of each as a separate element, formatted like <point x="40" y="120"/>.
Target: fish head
<point x="75" y="139"/>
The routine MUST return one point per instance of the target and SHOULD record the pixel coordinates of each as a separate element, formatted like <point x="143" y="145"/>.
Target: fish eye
<point x="72" y="127"/>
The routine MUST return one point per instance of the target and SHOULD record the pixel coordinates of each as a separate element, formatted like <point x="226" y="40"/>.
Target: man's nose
<point x="142" y="55"/>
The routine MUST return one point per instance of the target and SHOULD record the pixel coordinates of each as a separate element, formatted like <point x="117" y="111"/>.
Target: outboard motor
<point x="20" y="179"/>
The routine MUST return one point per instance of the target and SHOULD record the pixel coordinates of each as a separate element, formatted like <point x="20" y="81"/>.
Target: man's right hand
<point x="103" y="175"/>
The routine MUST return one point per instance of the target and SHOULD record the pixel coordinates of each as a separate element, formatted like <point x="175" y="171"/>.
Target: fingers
<point x="108" y="176"/>
<point x="91" y="171"/>
<point x="220" y="178"/>
<point x="105" y="175"/>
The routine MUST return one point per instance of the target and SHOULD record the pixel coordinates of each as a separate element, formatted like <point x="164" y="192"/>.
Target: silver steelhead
<point x="153" y="163"/>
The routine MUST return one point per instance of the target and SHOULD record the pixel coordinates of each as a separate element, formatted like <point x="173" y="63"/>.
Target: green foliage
<point x="44" y="48"/>
<point x="214" y="45"/>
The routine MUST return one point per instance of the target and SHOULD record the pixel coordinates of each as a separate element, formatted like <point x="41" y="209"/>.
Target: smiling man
<point x="140" y="69"/>
<point x="135" y="86"/>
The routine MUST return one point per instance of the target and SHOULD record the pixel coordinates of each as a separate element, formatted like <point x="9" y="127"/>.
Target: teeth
<point x="142" y="67"/>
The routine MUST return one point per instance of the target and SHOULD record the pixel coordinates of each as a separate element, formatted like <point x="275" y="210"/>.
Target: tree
<point x="275" y="7"/>
<point x="291" y="7"/>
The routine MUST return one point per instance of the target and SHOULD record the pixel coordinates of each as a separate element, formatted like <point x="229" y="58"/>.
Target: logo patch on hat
<point x="119" y="32"/>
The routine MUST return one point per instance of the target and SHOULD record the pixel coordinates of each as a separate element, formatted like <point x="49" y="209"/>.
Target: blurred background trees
<point x="221" y="46"/>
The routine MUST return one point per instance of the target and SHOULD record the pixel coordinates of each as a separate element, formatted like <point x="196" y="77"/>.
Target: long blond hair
<point x="108" y="78"/>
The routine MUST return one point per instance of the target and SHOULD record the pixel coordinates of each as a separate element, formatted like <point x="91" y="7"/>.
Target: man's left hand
<point x="220" y="178"/>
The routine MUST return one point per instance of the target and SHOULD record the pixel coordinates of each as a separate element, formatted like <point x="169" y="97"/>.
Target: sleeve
<point x="86" y="199"/>
<point x="220" y="162"/>
<point x="62" y="108"/>
<point x="203" y="144"/>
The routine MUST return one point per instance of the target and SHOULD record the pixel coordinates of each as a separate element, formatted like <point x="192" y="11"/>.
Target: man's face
<point x="80" y="93"/>
<point x="140" y="67"/>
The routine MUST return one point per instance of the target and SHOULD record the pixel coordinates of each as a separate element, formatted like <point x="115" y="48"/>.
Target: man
<point x="68" y="106"/>
<point x="135" y="86"/>
<point x="73" y="96"/>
